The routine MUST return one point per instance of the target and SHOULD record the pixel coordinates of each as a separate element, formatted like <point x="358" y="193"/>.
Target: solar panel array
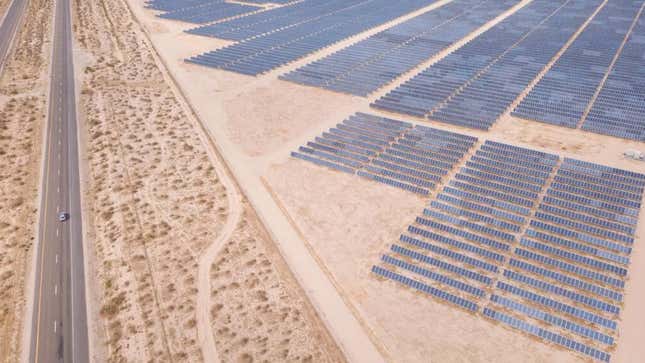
<point x="474" y="85"/>
<point x="562" y="96"/>
<point x="541" y="244"/>
<point x="271" y="50"/>
<point x="274" y="19"/>
<point x="200" y="11"/>
<point x="369" y="64"/>
<point x="619" y="109"/>
<point x="388" y="151"/>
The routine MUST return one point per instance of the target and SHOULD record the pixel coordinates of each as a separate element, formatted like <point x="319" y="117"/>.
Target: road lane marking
<point x="57" y="230"/>
<point x="57" y="258"/>
<point x="56" y="290"/>
<point x="54" y="326"/>
<point x="43" y="245"/>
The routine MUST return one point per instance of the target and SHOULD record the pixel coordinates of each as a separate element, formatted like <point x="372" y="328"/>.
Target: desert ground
<point x="163" y="211"/>
<point x="22" y="120"/>
<point x="346" y="222"/>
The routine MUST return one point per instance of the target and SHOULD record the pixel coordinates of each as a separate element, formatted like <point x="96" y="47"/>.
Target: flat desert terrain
<point x="23" y="94"/>
<point x="162" y="210"/>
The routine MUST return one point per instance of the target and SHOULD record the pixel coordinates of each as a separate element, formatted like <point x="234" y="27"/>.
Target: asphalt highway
<point x="9" y="26"/>
<point x="59" y="324"/>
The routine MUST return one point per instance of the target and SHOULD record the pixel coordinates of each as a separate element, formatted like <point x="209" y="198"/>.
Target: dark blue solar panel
<point x="369" y="64"/>
<point x="619" y="109"/>
<point x="547" y="335"/>
<point x="283" y="45"/>
<point x="563" y="95"/>
<point x="425" y="288"/>
<point x="474" y="85"/>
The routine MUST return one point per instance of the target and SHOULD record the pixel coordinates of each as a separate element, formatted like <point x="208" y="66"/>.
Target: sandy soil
<point x="157" y="203"/>
<point x="258" y="313"/>
<point x="22" y="119"/>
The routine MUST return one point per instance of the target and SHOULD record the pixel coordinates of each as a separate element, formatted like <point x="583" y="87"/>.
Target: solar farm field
<point x="447" y="180"/>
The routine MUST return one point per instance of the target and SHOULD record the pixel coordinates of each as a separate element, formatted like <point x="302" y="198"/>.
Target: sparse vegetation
<point x="256" y="312"/>
<point x="22" y="115"/>
<point x="154" y="198"/>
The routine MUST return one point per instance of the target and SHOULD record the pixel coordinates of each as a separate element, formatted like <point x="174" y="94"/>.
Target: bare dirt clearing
<point x="257" y="311"/>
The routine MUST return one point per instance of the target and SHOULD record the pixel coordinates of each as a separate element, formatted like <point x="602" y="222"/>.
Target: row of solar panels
<point x="559" y="265"/>
<point x="200" y="11"/>
<point x="366" y="66"/>
<point x="271" y="50"/>
<point x="172" y="5"/>
<point x="511" y="321"/>
<point x="472" y="86"/>
<point x="276" y="19"/>
<point x="566" y="91"/>
<point x="388" y="151"/>
<point x="475" y="84"/>
<point x="619" y="109"/>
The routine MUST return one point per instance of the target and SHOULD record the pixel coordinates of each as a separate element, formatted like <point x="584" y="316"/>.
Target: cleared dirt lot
<point x="23" y="90"/>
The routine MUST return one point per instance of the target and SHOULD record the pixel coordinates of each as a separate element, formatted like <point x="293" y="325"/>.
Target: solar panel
<point x="551" y="319"/>
<point x="564" y="93"/>
<point x="556" y="305"/>
<point x="557" y="290"/>
<point x="362" y="68"/>
<point x="434" y="276"/>
<point x="442" y="264"/>
<point x="267" y="50"/>
<point x="474" y="85"/>
<point x="469" y="305"/>
<point x="547" y="335"/>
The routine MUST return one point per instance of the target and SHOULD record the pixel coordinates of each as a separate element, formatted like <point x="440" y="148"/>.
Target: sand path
<point x="204" y="331"/>
<point x="235" y="210"/>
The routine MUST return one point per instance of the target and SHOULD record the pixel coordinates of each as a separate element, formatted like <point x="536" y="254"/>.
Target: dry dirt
<point x="257" y="311"/>
<point x="23" y="93"/>
<point x="155" y="204"/>
<point x="154" y="199"/>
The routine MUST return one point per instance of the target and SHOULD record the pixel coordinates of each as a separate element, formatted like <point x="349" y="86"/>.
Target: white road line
<point x="57" y="230"/>
<point x="57" y="259"/>
<point x="55" y="326"/>
<point x="55" y="290"/>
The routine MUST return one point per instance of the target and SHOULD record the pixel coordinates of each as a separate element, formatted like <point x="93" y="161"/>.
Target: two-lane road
<point x="59" y="324"/>
<point x="10" y="22"/>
